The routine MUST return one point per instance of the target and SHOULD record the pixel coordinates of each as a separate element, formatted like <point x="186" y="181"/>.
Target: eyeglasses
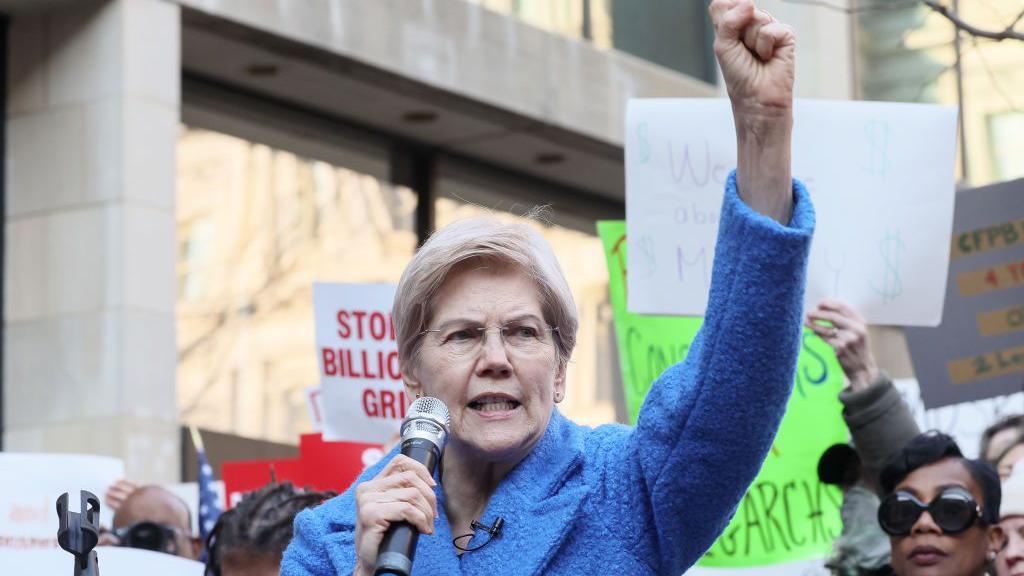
<point x="954" y="511"/>
<point x="525" y="337"/>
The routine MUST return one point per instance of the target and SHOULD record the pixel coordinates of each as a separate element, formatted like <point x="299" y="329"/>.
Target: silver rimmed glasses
<point x="523" y="337"/>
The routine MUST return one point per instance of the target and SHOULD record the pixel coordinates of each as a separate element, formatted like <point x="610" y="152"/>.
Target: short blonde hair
<point x="486" y="239"/>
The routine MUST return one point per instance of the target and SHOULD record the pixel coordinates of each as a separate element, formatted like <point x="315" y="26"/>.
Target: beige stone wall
<point x="89" y="363"/>
<point x="469" y="50"/>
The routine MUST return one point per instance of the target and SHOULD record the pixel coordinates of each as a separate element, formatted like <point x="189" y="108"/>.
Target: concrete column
<point x="92" y="121"/>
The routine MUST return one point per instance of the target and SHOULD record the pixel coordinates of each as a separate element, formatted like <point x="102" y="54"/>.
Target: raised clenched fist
<point x="757" y="55"/>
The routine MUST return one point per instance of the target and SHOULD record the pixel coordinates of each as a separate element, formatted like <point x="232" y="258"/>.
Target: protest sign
<point x="30" y="485"/>
<point x="320" y="466"/>
<point x="978" y="350"/>
<point x="787" y="515"/>
<point x="802" y="568"/>
<point x="111" y="561"/>
<point x="880" y="176"/>
<point x="315" y="407"/>
<point x="363" y="396"/>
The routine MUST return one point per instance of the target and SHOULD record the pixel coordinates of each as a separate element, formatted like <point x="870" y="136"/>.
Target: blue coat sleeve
<point x="707" y="424"/>
<point x="323" y="543"/>
<point x="305" y="555"/>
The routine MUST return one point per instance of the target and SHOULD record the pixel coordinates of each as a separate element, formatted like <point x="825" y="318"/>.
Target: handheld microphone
<point x="424" y="435"/>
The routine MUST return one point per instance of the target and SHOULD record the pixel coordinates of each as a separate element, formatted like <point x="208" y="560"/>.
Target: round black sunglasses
<point x="954" y="510"/>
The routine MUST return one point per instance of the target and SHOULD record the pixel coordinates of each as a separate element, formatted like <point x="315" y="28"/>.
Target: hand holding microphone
<point x="399" y="503"/>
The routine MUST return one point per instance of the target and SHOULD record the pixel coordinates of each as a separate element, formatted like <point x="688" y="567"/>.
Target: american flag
<point x="209" y="507"/>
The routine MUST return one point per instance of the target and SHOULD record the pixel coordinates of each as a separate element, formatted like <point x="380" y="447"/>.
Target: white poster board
<point x="315" y="407"/>
<point x="362" y="391"/>
<point x="30" y="485"/>
<point x="110" y="561"/>
<point x="881" y="176"/>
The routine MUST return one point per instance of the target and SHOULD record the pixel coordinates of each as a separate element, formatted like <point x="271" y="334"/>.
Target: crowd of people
<point x="247" y="540"/>
<point x="912" y="503"/>
<point x="486" y="323"/>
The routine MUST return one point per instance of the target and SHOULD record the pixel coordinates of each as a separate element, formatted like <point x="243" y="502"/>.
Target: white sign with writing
<point x="362" y="392"/>
<point x="315" y="407"/>
<point x="881" y="176"/>
<point x="30" y="485"/>
<point x="110" y="561"/>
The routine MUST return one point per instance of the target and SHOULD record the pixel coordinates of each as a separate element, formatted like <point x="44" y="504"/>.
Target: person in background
<point x="153" y="518"/>
<point x="862" y="549"/>
<point x="941" y="510"/>
<point x="999" y="437"/>
<point x="1010" y="561"/>
<point x="249" y="539"/>
<point x="879" y="420"/>
<point x="1007" y="460"/>
<point x="118" y="492"/>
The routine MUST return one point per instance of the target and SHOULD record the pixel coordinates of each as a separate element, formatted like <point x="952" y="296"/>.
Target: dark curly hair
<point x="931" y="447"/>
<point x="261" y="523"/>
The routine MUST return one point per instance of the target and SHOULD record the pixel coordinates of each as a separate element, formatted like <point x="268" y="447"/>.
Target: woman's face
<point x="499" y="396"/>
<point x="927" y="551"/>
<point x="1009" y="460"/>
<point x="1010" y="561"/>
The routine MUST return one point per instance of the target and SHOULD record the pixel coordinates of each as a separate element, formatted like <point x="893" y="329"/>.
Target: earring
<point x="991" y="556"/>
<point x="558" y="397"/>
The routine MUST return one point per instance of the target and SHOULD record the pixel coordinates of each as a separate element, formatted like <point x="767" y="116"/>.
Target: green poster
<point x="787" y="515"/>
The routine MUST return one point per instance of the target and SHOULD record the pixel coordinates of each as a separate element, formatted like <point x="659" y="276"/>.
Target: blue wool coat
<point x="644" y="500"/>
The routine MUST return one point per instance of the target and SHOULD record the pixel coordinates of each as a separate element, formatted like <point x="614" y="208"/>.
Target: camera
<point x="148" y="536"/>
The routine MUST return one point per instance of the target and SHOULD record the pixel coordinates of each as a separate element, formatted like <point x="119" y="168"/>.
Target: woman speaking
<point x="486" y="323"/>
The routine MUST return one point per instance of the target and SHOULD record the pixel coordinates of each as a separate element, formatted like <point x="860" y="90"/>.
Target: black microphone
<point x="424" y="435"/>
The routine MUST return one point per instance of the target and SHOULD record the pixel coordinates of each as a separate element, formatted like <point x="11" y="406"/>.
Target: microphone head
<point x="428" y="418"/>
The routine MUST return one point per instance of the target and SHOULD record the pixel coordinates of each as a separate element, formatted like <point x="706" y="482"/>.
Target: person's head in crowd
<point x="1009" y="457"/>
<point x="941" y="510"/>
<point x="997" y="438"/>
<point x="840" y="466"/>
<point x="250" y="539"/>
<point x="153" y="518"/>
<point x="1010" y="561"/>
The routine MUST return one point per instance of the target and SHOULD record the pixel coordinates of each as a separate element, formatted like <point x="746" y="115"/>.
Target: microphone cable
<point x="493" y="531"/>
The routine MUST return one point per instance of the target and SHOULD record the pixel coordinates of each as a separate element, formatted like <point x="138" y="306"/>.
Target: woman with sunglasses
<point x="941" y="510"/>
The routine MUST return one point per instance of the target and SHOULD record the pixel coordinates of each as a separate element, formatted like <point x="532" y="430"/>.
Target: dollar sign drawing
<point x="892" y="285"/>
<point x="643" y="146"/>
<point x="877" y="134"/>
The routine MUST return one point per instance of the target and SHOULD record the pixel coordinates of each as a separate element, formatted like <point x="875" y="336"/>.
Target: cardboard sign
<point x="880" y="175"/>
<point x="978" y="350"/>
<point x="111" y="562"/>
<point x="30" y="485"/>
<point x="363" y="395"/>
<point x="787" y="515"/>
<point x="320" y="466"/>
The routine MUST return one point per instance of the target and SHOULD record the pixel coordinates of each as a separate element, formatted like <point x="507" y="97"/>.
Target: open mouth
<point x="487" y="404"/>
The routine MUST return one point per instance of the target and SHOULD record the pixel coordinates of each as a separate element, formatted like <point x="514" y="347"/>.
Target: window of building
<point x="672" y="33"/>
<point x="257" y="225"/>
